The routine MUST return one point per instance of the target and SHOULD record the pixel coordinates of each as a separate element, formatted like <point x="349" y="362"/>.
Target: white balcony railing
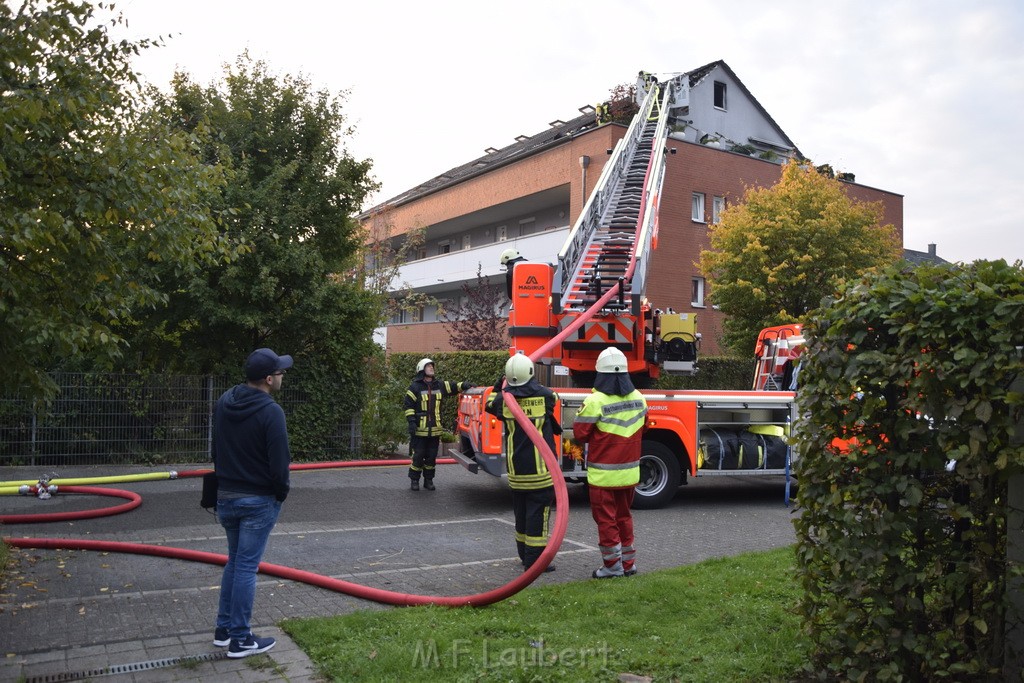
<point x="450" y="271"/>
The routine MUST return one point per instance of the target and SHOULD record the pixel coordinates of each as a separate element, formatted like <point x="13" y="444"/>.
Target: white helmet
<point x="612" y="361"/>
<point x="424" y="362"/>
<point x="508" y="255"/>
<point x="518" y="370"/>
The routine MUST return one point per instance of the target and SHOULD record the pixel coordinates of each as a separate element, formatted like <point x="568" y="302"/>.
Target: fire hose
<point x="337" y="585"/>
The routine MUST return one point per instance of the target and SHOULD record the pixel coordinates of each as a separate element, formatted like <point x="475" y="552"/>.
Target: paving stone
<point x="95" y="609"/>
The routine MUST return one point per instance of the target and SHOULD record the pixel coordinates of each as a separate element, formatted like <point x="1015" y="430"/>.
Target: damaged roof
<point x="558" y="133"/>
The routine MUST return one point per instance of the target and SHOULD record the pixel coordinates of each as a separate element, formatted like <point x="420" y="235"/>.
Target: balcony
<point x="449" y="271"/>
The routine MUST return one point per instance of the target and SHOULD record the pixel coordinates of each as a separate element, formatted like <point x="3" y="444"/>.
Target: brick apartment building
<point x="529" y="194"/>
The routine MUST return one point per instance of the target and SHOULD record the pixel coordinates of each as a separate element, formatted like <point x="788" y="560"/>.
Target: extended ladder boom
<point x="595" y="296"/>
<point x="612" y="238"/>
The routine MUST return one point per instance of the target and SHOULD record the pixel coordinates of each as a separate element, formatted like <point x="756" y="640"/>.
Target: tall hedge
<point x="714" y="373"/>
<point x="902" y="533"/>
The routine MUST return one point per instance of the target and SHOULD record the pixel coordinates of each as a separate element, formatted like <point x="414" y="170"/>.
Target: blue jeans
<point x="248" y="522"/>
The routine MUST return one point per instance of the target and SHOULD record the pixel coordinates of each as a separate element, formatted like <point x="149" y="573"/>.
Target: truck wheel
<point x="659" y="476"/>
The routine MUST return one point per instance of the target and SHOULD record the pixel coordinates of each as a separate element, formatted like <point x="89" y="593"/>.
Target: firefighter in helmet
<point x="532" y="490"/>
<point x="509" y="259"/>
<point x="611" y="422"/>
<point x="423" y="413"/>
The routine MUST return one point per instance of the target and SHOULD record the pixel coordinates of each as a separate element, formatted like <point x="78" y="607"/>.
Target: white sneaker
<point x="250" y="646"/>
<point x="606" y="573"/>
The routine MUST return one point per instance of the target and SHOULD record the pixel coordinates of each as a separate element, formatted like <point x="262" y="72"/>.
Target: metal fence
<point x="104" y="418"/>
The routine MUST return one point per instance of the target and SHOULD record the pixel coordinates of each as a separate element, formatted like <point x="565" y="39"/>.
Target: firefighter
<point x="423" y="413"/>
<point x="509" y="259"/>
<point x="528" y="475"/>
<point x="611" y="422"/>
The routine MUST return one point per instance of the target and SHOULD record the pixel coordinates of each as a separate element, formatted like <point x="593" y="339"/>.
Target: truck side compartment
<point x="689" y="433"/>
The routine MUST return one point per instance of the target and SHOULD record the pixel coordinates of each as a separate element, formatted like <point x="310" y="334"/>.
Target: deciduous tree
<point x="92" y="190"/>
<point x="291" y="193"/>
<point x="477" y="323"/>
<point x="778" y="252"/>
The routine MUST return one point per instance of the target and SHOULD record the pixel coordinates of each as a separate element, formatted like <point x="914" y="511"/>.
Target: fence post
<point x="32" y="459"/>
<point x="209" y="414"/>
<point x="351" y="434"/>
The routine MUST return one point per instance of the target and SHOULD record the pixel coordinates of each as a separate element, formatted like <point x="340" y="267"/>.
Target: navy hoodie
<point x="250" y="443"/>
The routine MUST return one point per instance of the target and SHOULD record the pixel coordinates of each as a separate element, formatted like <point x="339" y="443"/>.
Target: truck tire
<point x="659" y="476"/>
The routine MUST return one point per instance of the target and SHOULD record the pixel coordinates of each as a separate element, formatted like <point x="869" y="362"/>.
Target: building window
<point x="417" y="314"/>
<point x="421" y="253"/>
<point x="719" y="95"/>
<point x="717" y="207"/>
<point x="697" y="295"/>
<point x="444" y="247"/>
<point x="697" y="210"/>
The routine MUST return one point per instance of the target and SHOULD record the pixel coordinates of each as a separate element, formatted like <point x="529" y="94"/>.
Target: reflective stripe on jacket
<point x="423" y="403"/>
<point x="526" y="467"/>
<point x="612" y="427"/>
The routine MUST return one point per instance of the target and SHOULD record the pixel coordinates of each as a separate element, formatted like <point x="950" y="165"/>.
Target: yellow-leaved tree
<point x="774" y="256"/>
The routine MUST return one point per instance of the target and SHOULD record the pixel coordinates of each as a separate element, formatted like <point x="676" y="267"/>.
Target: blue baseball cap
<point x="263" y="362"/>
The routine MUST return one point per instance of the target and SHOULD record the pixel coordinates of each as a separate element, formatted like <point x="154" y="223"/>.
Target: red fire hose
<point x="356" y="590"/>
<point x="134" y="501"/>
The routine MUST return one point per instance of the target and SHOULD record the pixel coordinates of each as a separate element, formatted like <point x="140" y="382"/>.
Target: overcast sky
<point x="915" y="97"/>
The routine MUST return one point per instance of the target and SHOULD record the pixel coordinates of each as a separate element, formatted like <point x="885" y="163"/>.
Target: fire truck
<point x="565" y="314"/>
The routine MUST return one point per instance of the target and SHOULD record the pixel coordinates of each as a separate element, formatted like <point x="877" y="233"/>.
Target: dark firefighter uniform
<point x="532" y="490"/>
<point x="423" y="413"/>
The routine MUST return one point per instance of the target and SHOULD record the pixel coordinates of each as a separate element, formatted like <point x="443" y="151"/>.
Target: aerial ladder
<point x="605" y="259"/>
<point x="594" y="298"/>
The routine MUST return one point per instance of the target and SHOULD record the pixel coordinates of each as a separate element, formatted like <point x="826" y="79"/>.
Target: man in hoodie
<point x="251" y="458"/>
<point x="611" y="422"/>
<point x="423" y="413"/>
<point x="528" y="475"/>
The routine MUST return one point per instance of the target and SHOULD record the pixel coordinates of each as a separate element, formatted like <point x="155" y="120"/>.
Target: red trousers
<point x="610" y="508"/>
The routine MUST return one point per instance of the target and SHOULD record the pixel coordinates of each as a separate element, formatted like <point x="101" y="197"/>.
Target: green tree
<point x="902" y="537"/>
<point x="775" y="255"/>
<point x="92" y="190"/>
<point x="291" y="193"/>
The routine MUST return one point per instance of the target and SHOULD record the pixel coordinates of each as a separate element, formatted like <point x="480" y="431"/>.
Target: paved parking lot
<point x="130" y="617"/>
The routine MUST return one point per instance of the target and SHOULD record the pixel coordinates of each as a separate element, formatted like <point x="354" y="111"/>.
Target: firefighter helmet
<point x="518" y="370"/>
<point x="612" y="361"/>
<point x="424" y="362"/>
<point x="509" y="255"/>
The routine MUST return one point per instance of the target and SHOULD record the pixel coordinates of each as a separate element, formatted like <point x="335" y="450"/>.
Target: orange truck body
<point x="684" y="436"/>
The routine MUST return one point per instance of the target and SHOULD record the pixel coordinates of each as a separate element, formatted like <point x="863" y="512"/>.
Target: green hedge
<point x="714" y="372"/>
<point x="903" y="559"/>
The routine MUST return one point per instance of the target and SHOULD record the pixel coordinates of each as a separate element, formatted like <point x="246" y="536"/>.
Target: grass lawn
<point x="728" y="619"/>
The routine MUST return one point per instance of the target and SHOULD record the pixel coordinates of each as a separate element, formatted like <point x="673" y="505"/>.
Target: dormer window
<point x="719" y="95"/>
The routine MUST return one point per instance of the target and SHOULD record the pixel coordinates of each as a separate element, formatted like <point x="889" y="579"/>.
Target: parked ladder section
<point x="618" y="222"/>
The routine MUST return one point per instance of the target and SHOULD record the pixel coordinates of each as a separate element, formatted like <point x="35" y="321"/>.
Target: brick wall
<point x="694" y="168"/>
<point x="697" y="168"/>
<point x="553" y="168"/>
<point x="423" y="338"/>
